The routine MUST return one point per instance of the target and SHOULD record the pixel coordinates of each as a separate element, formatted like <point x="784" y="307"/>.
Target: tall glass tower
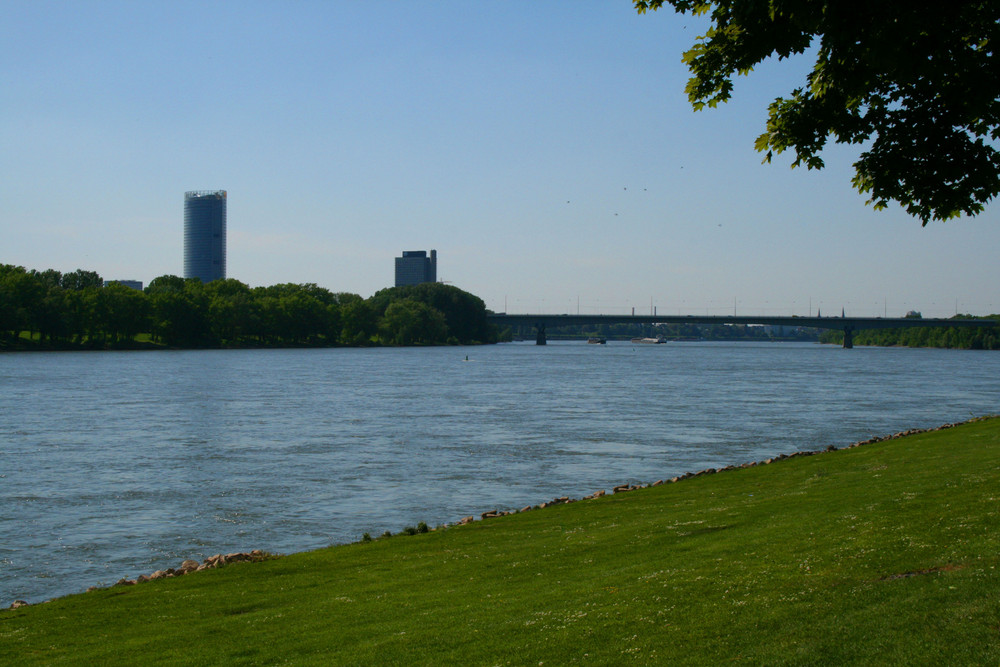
<point x="205" y="235"/>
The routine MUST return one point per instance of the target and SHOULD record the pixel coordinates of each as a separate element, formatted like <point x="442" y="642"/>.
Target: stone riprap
<point x="623" y="488"/>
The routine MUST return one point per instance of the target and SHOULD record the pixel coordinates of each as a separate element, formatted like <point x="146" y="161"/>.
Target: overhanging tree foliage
<point x="915" y="82"/>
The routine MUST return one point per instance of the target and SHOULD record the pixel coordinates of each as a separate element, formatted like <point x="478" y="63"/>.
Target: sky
<point x="546" y="150"/>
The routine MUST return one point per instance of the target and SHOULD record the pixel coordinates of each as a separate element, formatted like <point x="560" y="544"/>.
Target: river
<point x="114" y="464"/>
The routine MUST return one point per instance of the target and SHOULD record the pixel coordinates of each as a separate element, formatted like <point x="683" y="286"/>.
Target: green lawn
<point x="885" y="553"/>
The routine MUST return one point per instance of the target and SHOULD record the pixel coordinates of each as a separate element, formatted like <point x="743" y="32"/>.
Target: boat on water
<point x="649" y="341"/>
<point x="597" y="340"/>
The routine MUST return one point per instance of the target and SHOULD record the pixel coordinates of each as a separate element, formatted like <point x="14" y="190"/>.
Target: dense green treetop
<point x="80" y="279"/>
<point x="166" y="284"/>
<point x="966" y="338"/>
<point x="465" y="313"/>
<point x="409" y="322"/>
<point x="915" y="82"/>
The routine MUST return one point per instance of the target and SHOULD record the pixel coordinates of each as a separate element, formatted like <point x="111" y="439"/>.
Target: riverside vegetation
<point x="51" y="310"/>
<point x="963" y="338"/>
<point x="882" y="553"/>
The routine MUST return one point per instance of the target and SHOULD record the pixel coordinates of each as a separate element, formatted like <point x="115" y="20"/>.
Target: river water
<point x="114" y="464"/>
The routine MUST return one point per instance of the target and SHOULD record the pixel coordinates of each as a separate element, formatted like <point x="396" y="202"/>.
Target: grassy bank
<point x="886" y="553"/>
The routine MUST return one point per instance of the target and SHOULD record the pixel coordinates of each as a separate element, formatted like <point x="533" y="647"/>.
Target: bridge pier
<point x="540" y="335"/>
<point x="848" y="338"/>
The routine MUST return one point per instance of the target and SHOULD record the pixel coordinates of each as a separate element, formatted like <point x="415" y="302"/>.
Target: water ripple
<point x="116" y="464"/>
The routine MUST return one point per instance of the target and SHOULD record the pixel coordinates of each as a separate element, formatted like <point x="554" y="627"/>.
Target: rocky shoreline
<point x="187" y="567"/>
<point x="219" y="560"/>
<point x="622" y="488"/>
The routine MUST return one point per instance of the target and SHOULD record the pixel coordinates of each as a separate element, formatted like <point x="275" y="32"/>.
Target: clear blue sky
<point x="545" y="149"/>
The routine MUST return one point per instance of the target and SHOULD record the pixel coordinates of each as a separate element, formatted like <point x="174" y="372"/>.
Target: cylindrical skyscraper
<point x="205" y="235"/>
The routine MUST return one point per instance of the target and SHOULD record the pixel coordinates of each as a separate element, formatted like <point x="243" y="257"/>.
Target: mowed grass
<point x="886" y="553"/>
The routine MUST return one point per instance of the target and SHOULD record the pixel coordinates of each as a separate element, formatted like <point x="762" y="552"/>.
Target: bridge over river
<point x="846" y="324"/>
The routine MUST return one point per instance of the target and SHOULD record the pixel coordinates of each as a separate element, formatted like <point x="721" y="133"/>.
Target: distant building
<point x="205" y="235"/>
<point x="134" y="284"/>
<point x="415" y="267"/>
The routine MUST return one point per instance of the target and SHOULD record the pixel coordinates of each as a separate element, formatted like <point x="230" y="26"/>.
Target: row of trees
<point x="963" y="338"/>
<point x="75" y="310"/>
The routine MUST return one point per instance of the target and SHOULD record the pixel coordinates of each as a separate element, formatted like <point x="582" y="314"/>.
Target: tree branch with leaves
<point x="914" y="83"/>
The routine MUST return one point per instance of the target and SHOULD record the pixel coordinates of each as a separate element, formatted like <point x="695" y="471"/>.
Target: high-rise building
<point x="205" y="235"/>
<point x="415" y="267"/>
<point x="134" y="284"/>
